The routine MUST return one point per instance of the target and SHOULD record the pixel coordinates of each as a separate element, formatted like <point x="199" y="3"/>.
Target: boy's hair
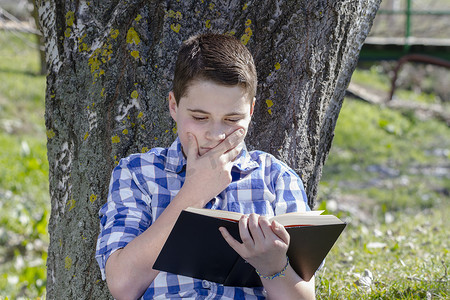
<point x="216" y="57"/>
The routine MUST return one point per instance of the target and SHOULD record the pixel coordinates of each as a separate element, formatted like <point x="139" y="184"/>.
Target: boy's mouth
<point x="205" y="149"/>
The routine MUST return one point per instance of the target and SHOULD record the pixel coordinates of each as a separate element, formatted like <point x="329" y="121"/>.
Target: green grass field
<point x="387" y="175"/>
<point x="24" y="199"/>
<point x="392" y="187"/>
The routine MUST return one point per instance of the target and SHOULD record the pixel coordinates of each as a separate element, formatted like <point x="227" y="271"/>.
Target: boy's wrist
<point x="186" y="198"/>
<point x="275" y="275"/>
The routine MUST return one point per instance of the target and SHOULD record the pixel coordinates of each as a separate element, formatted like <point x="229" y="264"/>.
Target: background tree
<point x="39" y="38"/>
<point x="110" y="69"/>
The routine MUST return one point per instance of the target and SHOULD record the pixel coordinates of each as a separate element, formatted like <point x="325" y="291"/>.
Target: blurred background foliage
<point x="24" y="198"/>
<point x="388" y="175"/>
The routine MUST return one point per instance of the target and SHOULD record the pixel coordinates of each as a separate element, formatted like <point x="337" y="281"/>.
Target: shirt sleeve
<point x="125" y="215"/>
<point x="290" y="193"/>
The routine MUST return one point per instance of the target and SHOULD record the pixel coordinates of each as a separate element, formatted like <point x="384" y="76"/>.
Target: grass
<point x="387" y="175"/>
<point x="383" y="154"/>
<point x="24" y="198"/>
<point x="373" y="75"/>
<point x="408" y="259"/>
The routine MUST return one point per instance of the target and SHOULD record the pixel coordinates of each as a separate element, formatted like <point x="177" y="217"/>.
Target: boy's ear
<point x="173" y="106"/>
<point x="252" y="108"/>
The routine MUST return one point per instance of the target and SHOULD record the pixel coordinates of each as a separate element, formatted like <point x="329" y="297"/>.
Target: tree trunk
<point x="110" y="69"/>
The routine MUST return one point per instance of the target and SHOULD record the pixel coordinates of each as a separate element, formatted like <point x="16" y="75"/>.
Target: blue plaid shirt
<point x="142" y="185"/>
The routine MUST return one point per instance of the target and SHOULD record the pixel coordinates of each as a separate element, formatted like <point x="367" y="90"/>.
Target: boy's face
<point x="210" y="112"/>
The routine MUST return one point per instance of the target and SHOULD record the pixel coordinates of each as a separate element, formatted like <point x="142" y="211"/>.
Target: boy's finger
<point x="233" y="140"/>
<point x="233" y="153"/>
<point x="255" y="230"/>
<point x="280" y="231"/>
<point x="244" y="233"/>
<point x="230" y="240"/>
<point x="265" y="226"/>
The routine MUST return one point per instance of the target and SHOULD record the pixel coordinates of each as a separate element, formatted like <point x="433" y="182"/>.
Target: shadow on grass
<point x="20" y="72"/>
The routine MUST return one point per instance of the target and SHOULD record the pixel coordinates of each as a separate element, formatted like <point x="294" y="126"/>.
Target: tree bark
<point x="110" y="68"/>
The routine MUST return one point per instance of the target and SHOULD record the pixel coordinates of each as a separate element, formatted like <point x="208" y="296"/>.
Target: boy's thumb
<point x="191" y="146"/>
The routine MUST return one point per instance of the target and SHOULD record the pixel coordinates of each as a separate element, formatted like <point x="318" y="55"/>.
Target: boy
<point x="208" y="165"/>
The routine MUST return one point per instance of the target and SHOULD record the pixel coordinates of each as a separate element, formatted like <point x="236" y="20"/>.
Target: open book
<point x="196" y="248"/>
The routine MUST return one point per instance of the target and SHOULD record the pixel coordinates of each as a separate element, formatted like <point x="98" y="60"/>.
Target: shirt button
<point x="206" y="284"/>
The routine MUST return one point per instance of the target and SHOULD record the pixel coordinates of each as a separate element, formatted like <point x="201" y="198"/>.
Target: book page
<point x="222" y="214"/>
<point x="289" y="219"/>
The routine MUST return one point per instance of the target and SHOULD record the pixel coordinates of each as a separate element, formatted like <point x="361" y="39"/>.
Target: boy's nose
<point x="217" y="133"/>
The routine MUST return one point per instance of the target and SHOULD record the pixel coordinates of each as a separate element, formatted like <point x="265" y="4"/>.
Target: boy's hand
<point x="209" y="174"/>
<point x="264" y="244"/>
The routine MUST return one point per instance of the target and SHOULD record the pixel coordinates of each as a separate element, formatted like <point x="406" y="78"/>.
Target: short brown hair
<point x="217" y="57"/>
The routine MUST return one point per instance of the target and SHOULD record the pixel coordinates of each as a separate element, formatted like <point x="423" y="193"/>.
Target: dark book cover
<point x="196" y="248"/>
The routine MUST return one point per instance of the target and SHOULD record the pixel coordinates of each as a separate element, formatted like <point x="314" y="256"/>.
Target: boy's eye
<point x="233" y="120"/>
<point x="198" y="118"/>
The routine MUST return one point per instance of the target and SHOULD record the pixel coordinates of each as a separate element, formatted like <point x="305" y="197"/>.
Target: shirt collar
<point x="244" y="161"/>
<point x="176" y="160"/>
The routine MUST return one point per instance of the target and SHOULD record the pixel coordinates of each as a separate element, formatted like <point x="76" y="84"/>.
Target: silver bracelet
<point x="279" y="274"/>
